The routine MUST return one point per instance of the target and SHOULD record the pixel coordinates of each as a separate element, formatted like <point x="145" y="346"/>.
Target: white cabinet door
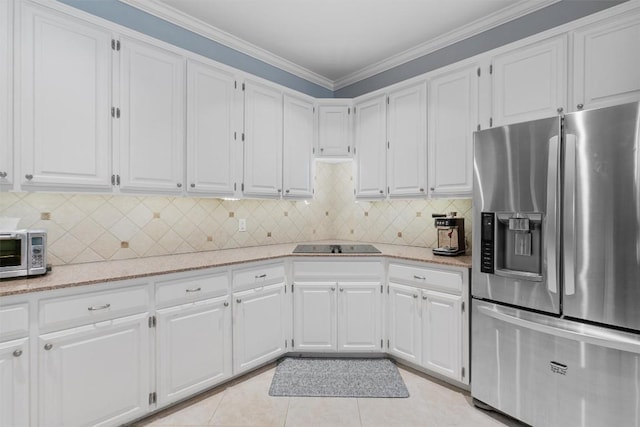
<point x="530" y="82"/>
<point x="359" y="316"/>
<point x="334" y="130"/>
<point x="193" y="348"/>
<point x="371" y="147"/>
<point x="151" y="123"/>
<point x="96" y="374"/>
<point x="263" y="140"/>
<point x="404" y="322"/>
<point x="258" y="327"/>
<point x="606" y="63"/>
<point x="442" y="333"/>
<point x="212" y="129"/>
<point x="314" y="316"/>
<point x="14" y="383"/>
<point x="407" y="141"/>
<point x="65" y="101"/>
<point x="297" y="153"/>
<point x="6" y="93"/>
<point x="453" y="117"/>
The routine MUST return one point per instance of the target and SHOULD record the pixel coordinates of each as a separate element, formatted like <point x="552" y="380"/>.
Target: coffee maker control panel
<point x="487" y="242"/>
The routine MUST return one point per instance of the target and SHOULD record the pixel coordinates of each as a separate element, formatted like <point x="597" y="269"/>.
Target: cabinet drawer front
<point x="427" y="277"/>
<point x="339" y="269"/>
<point x="192" y="288"/>
<point x="14" y="321"/>
<point x="258" y="276"/>
<point x="92" y="307"/>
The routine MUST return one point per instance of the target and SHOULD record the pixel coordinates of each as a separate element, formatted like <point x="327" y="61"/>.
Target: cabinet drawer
<point x="340" y="270"/>
<point x="93" y="307"/>
<point x="192" y="288"/>
<point x="447" y="280"/>
<point x="14" y="321"/>
<point x="258" y="276"/>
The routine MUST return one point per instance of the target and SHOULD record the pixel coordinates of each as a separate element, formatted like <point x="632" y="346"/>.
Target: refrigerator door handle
<point x="551" y="233"/>
<point x="586" y="334"/>
<point x="569" y="214"/>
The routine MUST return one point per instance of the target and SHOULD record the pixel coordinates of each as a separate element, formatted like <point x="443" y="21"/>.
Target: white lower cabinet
<point x="193" y="348"/>
<point x="96" y="374"/>
<point x="427" y="321"/>
<point x="314" y="316"/>
<point x="359" y="316"/>
<point x="258" y="326"/>
<point x="14" y="383"/>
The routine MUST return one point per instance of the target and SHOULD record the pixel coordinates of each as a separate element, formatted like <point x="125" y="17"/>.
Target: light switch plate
<point x="242" y="224"/>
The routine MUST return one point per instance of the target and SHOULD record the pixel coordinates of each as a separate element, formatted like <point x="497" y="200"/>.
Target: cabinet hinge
<point x="153" y="397"/>
<point x="387" y="290"/>
<point x="313" y="191"/>
<point x="242" y="187"/>
<point x="388" y="191"/>
<point x="463" y="372"/>
<point x="479" y="72"/>
<point x="243" y="86"/>
<point x="479" y="128"/>
<point x="115" y="112"/>
<point x="354" y="191"/>
<point x="381" y="343"/>
<point x="242" y="136"/>
<point x="152" y="321"/>
<point x="349" y="148"/>
<point x="292" y="288"/>
<point x="286" y="344"/>
<point x="381" y="286"/>
<point x="113" y="180"/>
<point x="354" y="110"/>
<point x="490" y="121"/>
<point x="235" y="84"/>
<point x="491" y="69"/>
<point x="314" y="109"/>
<point x="388" y="344"/>
<point x="292" y="343"/>
<point x="313" y="150"/>
<point x="354" y="151"/>
<point x="388" y="145"/>
<point x="462" y="307"/>
<point x="387" y="100"/>
<point x="349" y="110"/>
<point x="118" y="180"/>
<point x="235" y="136"/>
<point x="115" y="44"/>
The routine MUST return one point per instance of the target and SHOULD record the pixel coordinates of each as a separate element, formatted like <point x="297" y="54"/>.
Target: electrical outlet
<point x="242" y="224"/>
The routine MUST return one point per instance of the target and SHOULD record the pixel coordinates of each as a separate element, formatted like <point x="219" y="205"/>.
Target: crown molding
<point x="201" y="28"/>
<point x="474" y="28"/>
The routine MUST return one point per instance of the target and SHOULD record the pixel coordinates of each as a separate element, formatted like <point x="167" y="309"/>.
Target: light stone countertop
<point x="108" y="271"/>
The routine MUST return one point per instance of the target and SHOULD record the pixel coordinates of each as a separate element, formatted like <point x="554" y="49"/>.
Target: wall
<point x="88" y="228"/>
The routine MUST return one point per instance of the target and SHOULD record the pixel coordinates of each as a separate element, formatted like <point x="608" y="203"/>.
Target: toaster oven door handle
<point x="8" y="236"/>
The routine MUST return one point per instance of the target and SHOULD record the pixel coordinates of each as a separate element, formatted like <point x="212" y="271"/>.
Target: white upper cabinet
<point x="263" y="140"/>
<point x="64" y="101"/>
<point x="297" y="176"/>
<point x="214" y="124"/>
<point x="407" y="141"/>
<point x="606" y="62"/>
<point x="371" y="147"/>
<point x="453" y="117"/>
<point x="529" y="81"/>
<point x="6" y="94"/>
<point x="334" y="128"/>
<point x="151" y="122"/>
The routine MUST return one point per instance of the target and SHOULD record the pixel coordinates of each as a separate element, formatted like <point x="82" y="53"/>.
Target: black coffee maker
<point x="450" y="234"/>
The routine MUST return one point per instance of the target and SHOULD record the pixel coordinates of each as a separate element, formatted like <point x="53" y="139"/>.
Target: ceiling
<point x="338" y="42"/>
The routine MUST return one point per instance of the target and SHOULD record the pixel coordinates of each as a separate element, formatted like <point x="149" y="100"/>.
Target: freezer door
<point x="551" y="372"/>
<point x="516" y="185"/>
<point x="602" y="216"/>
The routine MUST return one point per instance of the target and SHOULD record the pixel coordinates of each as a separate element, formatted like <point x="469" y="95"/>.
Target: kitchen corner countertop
<point x="107" y="271"/>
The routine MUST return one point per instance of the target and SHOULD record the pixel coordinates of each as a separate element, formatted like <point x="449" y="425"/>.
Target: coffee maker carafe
<point x="450" y="232"/>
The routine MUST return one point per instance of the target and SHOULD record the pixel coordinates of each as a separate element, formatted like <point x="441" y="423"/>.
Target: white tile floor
<point x="246" y="402"/>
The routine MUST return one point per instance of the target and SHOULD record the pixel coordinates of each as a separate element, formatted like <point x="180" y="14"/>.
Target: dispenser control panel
<point x="487" y="242"/>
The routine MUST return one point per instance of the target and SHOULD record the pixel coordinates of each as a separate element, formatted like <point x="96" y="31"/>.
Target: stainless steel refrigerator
<point x="556" y="269"/>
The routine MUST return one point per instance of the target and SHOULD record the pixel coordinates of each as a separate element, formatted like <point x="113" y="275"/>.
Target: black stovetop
<point x="336" y="249"/>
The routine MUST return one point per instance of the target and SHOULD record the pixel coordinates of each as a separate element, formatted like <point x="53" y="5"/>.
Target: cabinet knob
<point x="226" y="304"/>
<point x="3" y="174"/>
<point x="29" y="177"/>
<point x="415" y="295"/>
<point x="560" y="110"/>
<point x="238" y="300"/>
<point x="432" y="189"/>
<point x="580" y="106"/>
<point x="322" y="150"/>
<point x="279" y="190"/>
<point x="381" y="191"/>
<point x="193" y="185"/>
<point x="287" y="191"/>
<point x="422" y="190"/>
<point x="179" y="185"/>
<point x="424" y="297"/>
<point x="48" y="346"/>
<point x="17" y="353"/>
<point x="341" y="289"/>
<point x="333" y="289"/>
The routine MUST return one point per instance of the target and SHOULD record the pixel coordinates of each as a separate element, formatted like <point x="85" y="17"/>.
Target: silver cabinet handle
<point x="261" y="276"/>
<point x="226" y="304"/>
<point x="17" y="353"/>
<point x="580" y="106"/>
<point x="415" y="295"/>
<point x="238" y="300"/>
<point x="193" y="185"/>
<point x="98" y="307"/>
<point x="3" y="174"/>
<point x="29" y="177"/>
<point x="419" y="277"/>
<point x="48" y="347"/>
<point x="194" y="290"/>
<point x="179" y="185"/>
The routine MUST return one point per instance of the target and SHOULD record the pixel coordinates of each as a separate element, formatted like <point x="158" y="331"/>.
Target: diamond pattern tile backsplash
<point x="87" y="228"/>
